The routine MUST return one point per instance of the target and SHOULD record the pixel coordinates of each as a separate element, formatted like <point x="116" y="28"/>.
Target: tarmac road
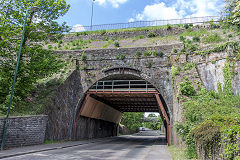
<point x="145" y="145"/>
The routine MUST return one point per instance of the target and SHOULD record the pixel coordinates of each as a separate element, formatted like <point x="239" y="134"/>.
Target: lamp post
<point x="92" y="14"/>
<point x="33" y="9"/>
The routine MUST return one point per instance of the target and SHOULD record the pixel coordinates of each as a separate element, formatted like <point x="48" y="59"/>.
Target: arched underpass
<point x="110" y="97"/>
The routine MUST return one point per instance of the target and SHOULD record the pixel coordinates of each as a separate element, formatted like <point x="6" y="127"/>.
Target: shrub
<point x="160" y="54"/>
<point x="77" y="34"/>
<point x="155" y="53"/>
<point x="182" y="50"/>
<point x="84" y="67"/>
<point x="188" y="66"/>
<point x="196" y="39"/>
<point x="147" y="53"/>
<point x="186" y="26"/>
<point x="140" y="36"/>
<point x="213" y="38"/>
<point x="149" y="64"/>
<point x="122" y="56"/>
<point x="186" y="88"/>
<point x="50" y="46"/>
<point x="138" y="54"/>
<point x="175" y="71"/>
<point x="182" y="39"/>
<point x="230" y="36"/>
<point x="169" y="26"/>
<point x="151" y="34"/>
<point x="175" y="50"/>
<point x="102" y="32"/>
<point x="60" y="42"/>
<point x="116" y="44"/>
<point x="83" y="57"/>
<point x="117" y="57"/>
<point x="192" y="47"/>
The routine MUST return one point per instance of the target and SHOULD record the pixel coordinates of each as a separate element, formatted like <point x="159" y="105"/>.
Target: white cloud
<point x="180" y="9"/>
<point x="78" y="28"/>
<point x="114" y="3"/>
<point x="158" y="11"/>
<point x="131" y="20"/>
<point x="206" y="7"/>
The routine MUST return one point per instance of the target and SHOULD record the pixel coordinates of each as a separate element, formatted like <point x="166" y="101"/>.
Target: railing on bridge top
<point x="191" y="20"/>
<point x="122" y="86"/>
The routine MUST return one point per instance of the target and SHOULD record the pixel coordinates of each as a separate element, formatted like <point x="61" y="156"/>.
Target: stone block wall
<point x="24" y="131"/>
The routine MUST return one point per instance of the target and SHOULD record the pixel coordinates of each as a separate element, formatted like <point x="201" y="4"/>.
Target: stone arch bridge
<point x="108" y="82"/>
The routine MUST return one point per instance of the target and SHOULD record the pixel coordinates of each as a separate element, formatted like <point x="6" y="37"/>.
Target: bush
<point x="122" y="56"/>
<point x="188" y="66"/>
<point x="196" y="39"/>
<point x="149" y="64"/>
<point x="84" y="68"/>
<point x="175" y="50"/>
<point x="182" y="50"/>
<point x="138" y="54"/>
<point x="50" y="46"/>
<point x="186" y="26"/>
<point x="116" y="44"/>
<point x="151" y="34"/>
<point x="102" y="32"/>
<point x="83" y="57"/>
<point x="140" y="36"/>
<point x="169" y="26"/>
<point x="182" y="39"/>
<point x="186" y="88"/>
<point x="147" y="53"/>
<point x="160" y="54"/>
<point x="213" y="38"/>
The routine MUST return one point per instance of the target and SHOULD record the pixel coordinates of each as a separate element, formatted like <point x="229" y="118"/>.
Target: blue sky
<point x="116" y="11"/>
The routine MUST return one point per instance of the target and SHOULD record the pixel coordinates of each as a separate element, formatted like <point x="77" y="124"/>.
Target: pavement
<point x="145" y="145"/>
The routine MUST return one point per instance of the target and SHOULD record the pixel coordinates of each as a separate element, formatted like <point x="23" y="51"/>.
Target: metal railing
<point x="191" y="20"/>
<point x="122" y="85"/>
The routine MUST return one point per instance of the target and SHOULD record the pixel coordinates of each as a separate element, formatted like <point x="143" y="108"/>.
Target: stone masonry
<point x="24" y="131"/>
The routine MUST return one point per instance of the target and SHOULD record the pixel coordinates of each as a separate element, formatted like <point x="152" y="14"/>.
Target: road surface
<point x="145" y="145"/>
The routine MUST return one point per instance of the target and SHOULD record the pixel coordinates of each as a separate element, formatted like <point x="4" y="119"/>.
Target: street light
<point x="33" y="9"/>
<point x="92" y="14"/>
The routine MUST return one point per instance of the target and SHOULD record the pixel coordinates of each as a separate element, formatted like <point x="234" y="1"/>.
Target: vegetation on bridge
<point x="212" y="119"/>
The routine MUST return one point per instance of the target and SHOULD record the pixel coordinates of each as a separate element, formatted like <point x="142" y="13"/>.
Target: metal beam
<point x="166" y="118"/>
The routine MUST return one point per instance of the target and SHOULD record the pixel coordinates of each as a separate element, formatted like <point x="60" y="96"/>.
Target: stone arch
<point x="131" y="73"/>
<point x="162" y="84"/>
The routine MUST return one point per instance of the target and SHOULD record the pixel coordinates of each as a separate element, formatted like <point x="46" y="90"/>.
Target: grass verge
<point x="177" y="153"/>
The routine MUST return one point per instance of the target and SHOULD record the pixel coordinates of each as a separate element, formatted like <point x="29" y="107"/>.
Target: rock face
<point x="24" y="131"/>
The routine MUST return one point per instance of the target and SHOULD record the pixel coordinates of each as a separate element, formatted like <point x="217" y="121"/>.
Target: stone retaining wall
<point x="24" y="131"/>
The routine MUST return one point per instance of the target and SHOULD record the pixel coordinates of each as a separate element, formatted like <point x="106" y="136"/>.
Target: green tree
<point x="231" y="11"/>
<point x="36" y="62"/>
<point x="132" y="120"/>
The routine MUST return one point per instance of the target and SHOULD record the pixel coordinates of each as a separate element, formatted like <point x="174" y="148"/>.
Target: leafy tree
<point x="35" y="62"/>
<point x="232" y="11"/>
<point x="152" y="115"/>
<point x="154" y="125"/>
<point x="132" y="120"/>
